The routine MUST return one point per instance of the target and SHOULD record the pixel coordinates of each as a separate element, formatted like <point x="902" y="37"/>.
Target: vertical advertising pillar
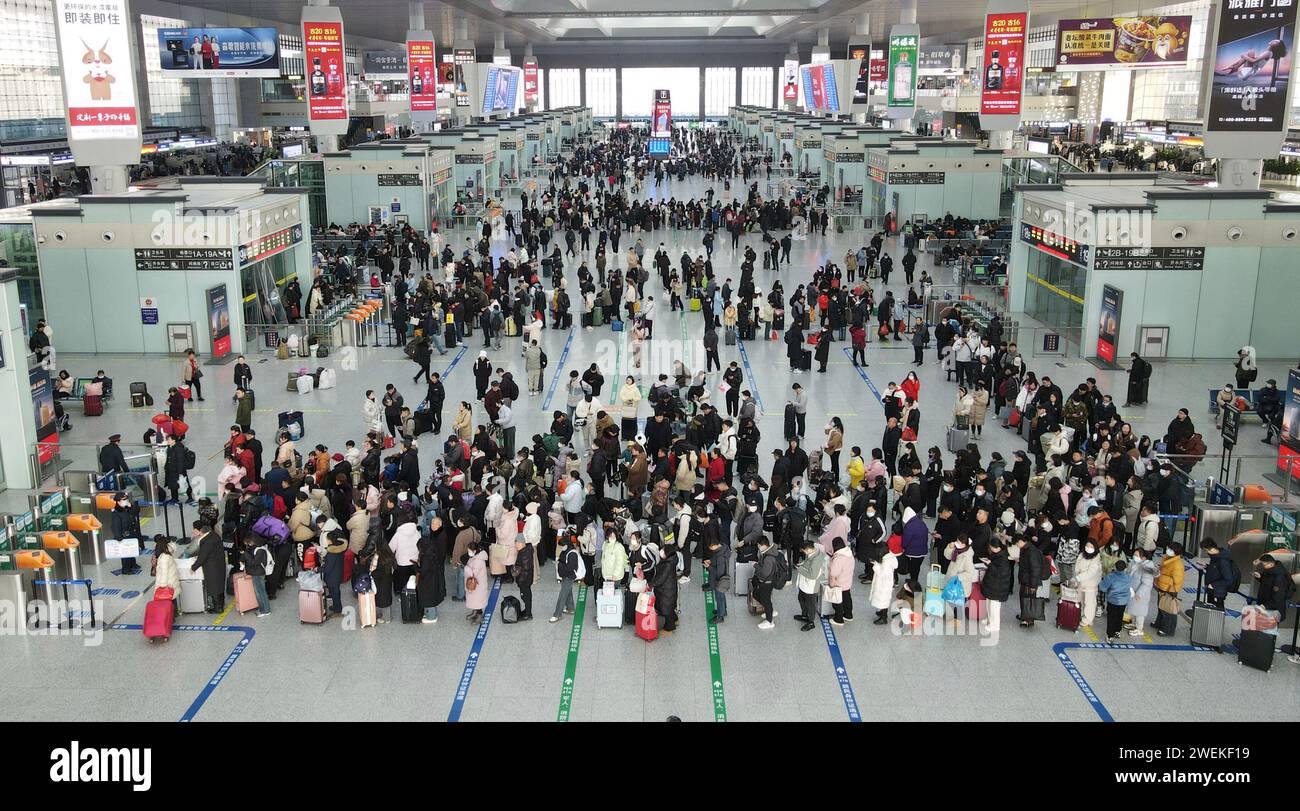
<point x="1112" y="305"/>
<point x="530" y="84"/>
<point x="422" y="75"/>
<point x="327" y="84"/>
<point x="1006" y="23"/>
<point x="904" y="42"/>
<point x="99" y="88"/>
<point x="218" y="321"/>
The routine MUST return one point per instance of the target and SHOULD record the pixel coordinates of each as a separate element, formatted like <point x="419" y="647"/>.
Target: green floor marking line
<point x="571" y="665"/>
<point x="715" y="658"/>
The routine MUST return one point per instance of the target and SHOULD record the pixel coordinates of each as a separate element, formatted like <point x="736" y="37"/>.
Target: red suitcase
<point x="975" y="608"/>
<point x="94" y="405"/>
<point x="311" y="607"/>
<point x="159" y="614"/>
<point x="245" y="597"/>
<point x="1067" y="615"/>
<point x="647" y="622"/>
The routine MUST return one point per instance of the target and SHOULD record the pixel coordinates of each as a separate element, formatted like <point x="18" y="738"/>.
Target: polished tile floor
<point x="522" y="672"/>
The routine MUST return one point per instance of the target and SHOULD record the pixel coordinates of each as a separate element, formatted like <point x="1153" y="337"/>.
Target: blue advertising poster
<point x="219" y="52"/>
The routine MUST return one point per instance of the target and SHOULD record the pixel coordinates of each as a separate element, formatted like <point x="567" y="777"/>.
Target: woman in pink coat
<point x="476" y="569"/>
<point x="841" y="577"/>
<point x="507" y="527"/>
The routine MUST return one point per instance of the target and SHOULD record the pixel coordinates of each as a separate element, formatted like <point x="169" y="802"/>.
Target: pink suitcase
<point x="311" y="607"/>
<point x="1068" y="614"/>
<point x="245" y="597"/>
<point x="366" y="609"/>
<point x="159" y="615"/>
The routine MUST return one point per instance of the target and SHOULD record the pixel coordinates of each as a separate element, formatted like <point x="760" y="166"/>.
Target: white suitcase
<point x="740" y="580"/>
<point x="609" y="608"/>
<point x="304" y="384"/>
<point x="191" y="599"/>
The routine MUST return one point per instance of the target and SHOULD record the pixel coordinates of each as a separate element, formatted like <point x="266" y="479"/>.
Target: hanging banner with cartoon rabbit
<point x="98" y="76"/>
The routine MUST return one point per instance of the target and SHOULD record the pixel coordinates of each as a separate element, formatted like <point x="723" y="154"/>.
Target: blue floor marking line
<point x="222" y="671"/>
<point x="1072" y="669"/>
<point x="841" y="674"/>
<point x="862" y="373"/>
<point x="749" y="375"/>
<point x="475" y="650"/>
<point x="559" y="369"/>
<point x="451" y="366"/>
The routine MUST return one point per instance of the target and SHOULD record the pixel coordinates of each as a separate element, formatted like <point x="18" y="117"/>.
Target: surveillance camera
<point x="1179" y="233"/>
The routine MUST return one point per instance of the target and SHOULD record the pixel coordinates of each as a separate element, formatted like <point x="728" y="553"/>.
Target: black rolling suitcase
<point x="805" y="360"/>
<point x="791" y="425"/>
<point x="423" y="421"/>
<point x="628" y="428"/>
<point x="410" y="602"/>
<point x="1255" y="649"/>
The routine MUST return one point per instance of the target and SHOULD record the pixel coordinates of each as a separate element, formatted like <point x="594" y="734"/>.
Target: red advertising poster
<point x="1004" y="60"/>
<point x="661" y="126"/>
<point x="530" y="82"/>
<point x="879" y="67"/>
<point x="422" y="74"/>
<point x="327" y="90"/>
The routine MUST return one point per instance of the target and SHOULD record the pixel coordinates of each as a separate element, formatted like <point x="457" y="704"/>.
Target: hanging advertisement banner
<point x="879" y="67"/>
<point x="215" y="53"/>
<point x="462" y="59"/>
<point x="861" y="53"/>
<point x="530" y="83"/>
<point x="422" y="75"/>
<point x="790" y="81"/>
<point x="1006" y="22"/>
<point x="941" y="59"/>
<point x="218" y="321"/>
<point x="98" y="72"/>
<point x="384" y="64"/>
<point x="901" y="93"/>
<point x="661" y="122"/>
<point x="1251" y="79"/>
<point x="1104" y="43"/>
<point x="47" y="429"/>
<point x="327" y="87"/>
<point x="1112" y="303"/>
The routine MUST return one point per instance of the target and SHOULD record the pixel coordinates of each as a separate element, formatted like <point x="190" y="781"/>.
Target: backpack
<point x="271" y="528"/>
<point x="511" y="608"/>
<point x="263" y="556"/>
<point x="190" y="459"/>
<point x="1163" y="538"/>
<point x="1235" y="572"/>
<point x="310" y="558"/>
<point x="781" y="577"/>
<point x="580" y="570"/>
<point x="543" y="359"/>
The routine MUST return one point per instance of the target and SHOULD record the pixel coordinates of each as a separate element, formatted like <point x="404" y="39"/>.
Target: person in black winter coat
<point x="1275" y="585"/>
<point x="996" y="585"/>
<point x="823" y="351"/>
<point x="431" y="587"/>
<point x="665" y="587"/>
<point x="409" y="468"/>
<point x="522" y="573"/>
<point x="1032" y="565"/>
<point x="211" y="558"/>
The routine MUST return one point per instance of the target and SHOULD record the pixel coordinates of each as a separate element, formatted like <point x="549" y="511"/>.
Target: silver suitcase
<point x="958" y="438"/>
<point x="609" y="608"/>
<point x="1207" y="625"/>
<point x="740" y="580"/>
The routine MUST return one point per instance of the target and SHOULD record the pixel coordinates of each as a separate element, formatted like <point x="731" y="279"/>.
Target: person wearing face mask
<point x="1087" y="574"/>
<point x="1117" y="586"/>
<point x="995" y="586"/>
<point x="871" y="534"/>
<point x="126" y="524"/>
<point x="950" y="498"/>
<point x="1031" y="569"/>
<point x="961" y="565"/>
<point x="1067" y="554"/>
<point x="1143" y="574"/>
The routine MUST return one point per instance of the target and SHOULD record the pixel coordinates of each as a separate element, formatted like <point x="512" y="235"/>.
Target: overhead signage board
<point x="1106" y="43"/>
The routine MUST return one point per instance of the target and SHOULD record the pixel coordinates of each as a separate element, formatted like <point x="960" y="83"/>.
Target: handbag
<point x="954" y="592"/>
<point x="909" y="435"/>
<point x="1014" y="419"/>
<point x="833" y="594"/>
<point x="643" y="602"/>
<point x="1169" y="602"/>
<point x="471" y="583"/>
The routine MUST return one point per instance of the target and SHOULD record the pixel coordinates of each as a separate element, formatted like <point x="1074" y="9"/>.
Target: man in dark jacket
<point x="665" y="587"/>
<point x="1219" y="580"/>
<point x="409" y="467"/>
<point x="1139" y="375"/>
<point x="111" y="459"/>
<point x="1032" y="564"/>
<point x="1275" y="585"/>
<point x="769" y="561"/>
<point x="1268" y="404"/>
<point x="717" y="562"/>
<point x="435" y="397"/>
<point x="175" y="467"/>
<point x="211" y="557"/>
